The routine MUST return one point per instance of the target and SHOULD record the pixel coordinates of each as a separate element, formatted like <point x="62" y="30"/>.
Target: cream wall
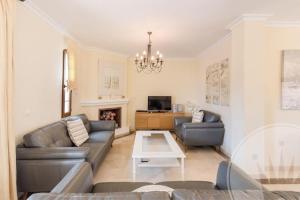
<point x="88" y="64"/>
<point x="279" y="39"/>
<point x="38" y="69"/>
<point x="178" y="78"/>
<point x="255" y="52"/>
<point x="216" y="53"/>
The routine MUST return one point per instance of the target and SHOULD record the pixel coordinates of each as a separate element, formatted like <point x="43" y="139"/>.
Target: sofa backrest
<point x="52" y="135"/>
<point x="104" y="196"/>
<point x="78" y="180"/>
<point x="211" y="117"/>
<point x="55" y="134"/>
<point x="231" y="177"/>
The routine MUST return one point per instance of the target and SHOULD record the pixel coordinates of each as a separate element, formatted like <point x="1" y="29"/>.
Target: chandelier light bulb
<point x="160" y="55"/>
<point x="144" y="52"/>
<point x="137" y="55"/>
<point x="157" y="52"/>
<point x="152" y="58"/>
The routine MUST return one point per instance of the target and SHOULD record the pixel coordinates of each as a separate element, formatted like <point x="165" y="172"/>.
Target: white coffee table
<point x="156" y="149"/>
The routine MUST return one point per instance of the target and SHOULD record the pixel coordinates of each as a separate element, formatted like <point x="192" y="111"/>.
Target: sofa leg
<point x="218" y="148"/>
<point x="24" y="196"/>
<point x="186" y="148"/>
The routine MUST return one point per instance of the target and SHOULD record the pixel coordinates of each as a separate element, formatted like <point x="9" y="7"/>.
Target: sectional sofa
<point x="231" y="184"/>
<point x="47" y="154"/>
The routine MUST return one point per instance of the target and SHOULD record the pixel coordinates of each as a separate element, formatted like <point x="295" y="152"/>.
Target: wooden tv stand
<point x="155" y="120"/>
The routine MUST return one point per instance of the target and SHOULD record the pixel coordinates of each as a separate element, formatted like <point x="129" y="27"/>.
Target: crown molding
<point x="45" y="17"/>
<point x="248" y="17"/>
<point x="284" y="24"/>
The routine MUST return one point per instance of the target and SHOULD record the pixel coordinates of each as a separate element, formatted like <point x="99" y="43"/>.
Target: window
<point x="66" y="92"/>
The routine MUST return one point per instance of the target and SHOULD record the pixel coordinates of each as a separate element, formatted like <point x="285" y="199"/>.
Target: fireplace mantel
<point x="104" y="102"/>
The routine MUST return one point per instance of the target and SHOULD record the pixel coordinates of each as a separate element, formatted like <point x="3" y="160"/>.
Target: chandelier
<point x="147" y="62"/>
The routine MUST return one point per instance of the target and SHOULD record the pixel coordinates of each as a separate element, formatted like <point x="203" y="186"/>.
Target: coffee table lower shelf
<point x="157" y="162"/>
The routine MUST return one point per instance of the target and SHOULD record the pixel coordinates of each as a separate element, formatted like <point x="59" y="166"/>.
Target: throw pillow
<point x="198" y="117"/>
<point x="77" y="132"/>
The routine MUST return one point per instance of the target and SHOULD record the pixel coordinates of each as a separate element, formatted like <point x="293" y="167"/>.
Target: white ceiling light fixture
<point x="147" y="62"/>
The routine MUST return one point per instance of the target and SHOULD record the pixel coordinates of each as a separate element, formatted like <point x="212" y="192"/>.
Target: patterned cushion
<point x="77" y="132"/>
<point x="198" y="117"/>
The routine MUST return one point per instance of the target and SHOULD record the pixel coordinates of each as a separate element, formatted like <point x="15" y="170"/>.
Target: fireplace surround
<point x="92" y="107"/>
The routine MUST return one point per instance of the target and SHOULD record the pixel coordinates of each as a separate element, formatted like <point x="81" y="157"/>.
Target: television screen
<point x="157" y="103"/>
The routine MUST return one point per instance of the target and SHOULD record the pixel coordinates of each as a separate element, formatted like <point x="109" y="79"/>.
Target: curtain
<point x="8" y="189"/>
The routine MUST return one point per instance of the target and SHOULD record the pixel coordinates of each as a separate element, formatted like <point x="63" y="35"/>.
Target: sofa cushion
<point x="204" y="185"/>
<point x="223" y="195"/>
<point x="118" y="186"/>
<point x="198" y="117"/>
<point x="77" y="132"/>
<point x="53" y="135"/>
<point x="100" y="136"/>
<point x="211" y="117"/>
<point x="84" y="119"/>
<point x="96" y="153"/>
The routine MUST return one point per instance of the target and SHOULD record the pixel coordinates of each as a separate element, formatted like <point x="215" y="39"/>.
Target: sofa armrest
<point x="78" y="180"/>
<point x="178" y="121"/>
<point x="203" y="125"/>
<point x="102" y="125"/>
<point x="231" y="177"/>
<point x="52" y="153"/>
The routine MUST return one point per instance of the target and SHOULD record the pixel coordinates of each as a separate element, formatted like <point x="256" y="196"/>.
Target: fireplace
<point x="111" y="114"/>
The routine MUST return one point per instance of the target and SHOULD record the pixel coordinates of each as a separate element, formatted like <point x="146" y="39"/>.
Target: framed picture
<point x="290" y="80"/>
<point x="218" y="83"/>
<point x="110" y="79"/>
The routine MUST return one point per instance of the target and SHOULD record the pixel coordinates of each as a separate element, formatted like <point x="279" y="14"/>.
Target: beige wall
<point x="255" y="52"/>
<point x="178" y="78"/>
<point x="279" y="39"/>
<point x="38" y="67"/>
<point x="216" y="53"/>
<point x="88" y="64"/>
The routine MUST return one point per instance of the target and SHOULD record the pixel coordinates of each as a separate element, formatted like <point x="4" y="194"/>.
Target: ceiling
<point x="181" y="28"/>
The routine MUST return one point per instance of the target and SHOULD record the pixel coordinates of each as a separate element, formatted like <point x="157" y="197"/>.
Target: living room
<point x="168" y="103"/>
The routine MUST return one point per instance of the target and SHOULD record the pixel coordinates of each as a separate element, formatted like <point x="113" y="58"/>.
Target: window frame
<point x="63" y="99"/>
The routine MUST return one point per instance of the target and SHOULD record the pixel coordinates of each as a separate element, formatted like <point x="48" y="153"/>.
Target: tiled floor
<point x="200" y="164"/>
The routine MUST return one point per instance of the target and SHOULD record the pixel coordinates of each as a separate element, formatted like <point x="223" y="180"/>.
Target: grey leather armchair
<point x="47" y="154"/>
<point x="210" y="132"/>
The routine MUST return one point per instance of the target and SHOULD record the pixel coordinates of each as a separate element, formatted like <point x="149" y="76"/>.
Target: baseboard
<point x="222" y="152"/>
<point x="280" y="181"/>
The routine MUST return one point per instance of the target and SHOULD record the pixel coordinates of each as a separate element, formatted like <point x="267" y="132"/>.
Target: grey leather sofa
<point x="47" y="154"/>
<point x="232" y="183"/>
<point x="210" y="132"/>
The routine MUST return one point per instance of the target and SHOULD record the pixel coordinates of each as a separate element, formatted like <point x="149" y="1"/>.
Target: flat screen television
<point x="159" y="103"/>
